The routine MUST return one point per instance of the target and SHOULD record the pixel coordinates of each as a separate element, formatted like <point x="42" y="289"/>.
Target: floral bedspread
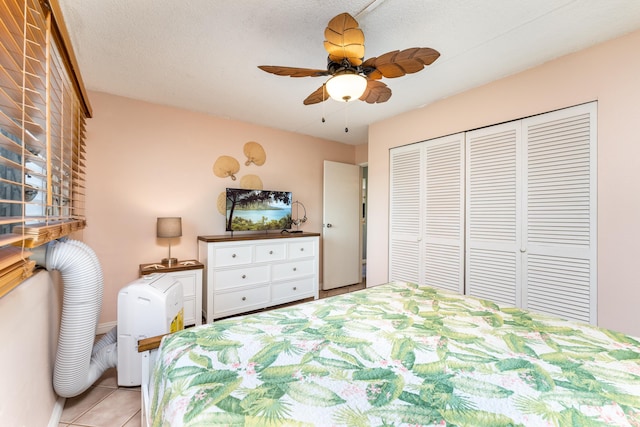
<point x="397" y="354"/>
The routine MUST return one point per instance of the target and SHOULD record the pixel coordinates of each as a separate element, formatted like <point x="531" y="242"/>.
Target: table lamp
<point x="169" y="227"/>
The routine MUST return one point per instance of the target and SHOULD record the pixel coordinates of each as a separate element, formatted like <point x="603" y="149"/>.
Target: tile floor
<point x="106" y="405"/>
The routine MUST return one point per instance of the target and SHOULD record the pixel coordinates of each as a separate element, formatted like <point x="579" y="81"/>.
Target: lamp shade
<point x="169" y="227"/>
<point x="346" y="87"/>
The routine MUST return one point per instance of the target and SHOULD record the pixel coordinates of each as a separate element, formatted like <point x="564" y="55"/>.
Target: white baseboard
<point x="56" y="414"/>
<point x="103" y="328"/>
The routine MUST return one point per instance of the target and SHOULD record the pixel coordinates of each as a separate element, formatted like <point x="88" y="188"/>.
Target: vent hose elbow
<point x="78" y="362"/>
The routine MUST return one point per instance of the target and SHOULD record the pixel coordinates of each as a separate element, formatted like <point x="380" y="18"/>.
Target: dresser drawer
<point x="232" y="278"/>
<point x="293" y="290"/>
<point x="291" y="270"/>
<point x="242" y="300"/>
<point x="232" y="255"/>
<point x="271" y="252"/>
<point x="303" y="249"/>
<point x="188" y="281"/>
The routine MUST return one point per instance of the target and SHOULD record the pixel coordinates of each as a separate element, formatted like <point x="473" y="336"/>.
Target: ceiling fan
<point x="352" y="77"/>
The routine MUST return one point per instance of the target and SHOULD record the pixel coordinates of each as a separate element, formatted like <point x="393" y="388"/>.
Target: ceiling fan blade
<point x="370" y="70"/>
<point x="344" y="40"/>
<point x="400" y="62"/>
<point x="376" y="92"/>
<point x="319" y="95"/>
<point x="293" y="71"/>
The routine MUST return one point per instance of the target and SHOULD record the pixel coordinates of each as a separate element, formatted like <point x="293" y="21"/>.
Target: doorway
<point x="364" y="172"/>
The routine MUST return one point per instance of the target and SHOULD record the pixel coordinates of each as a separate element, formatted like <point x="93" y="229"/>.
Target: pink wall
<point x="607" y="73"/>
<point x="362" y="154"/>
<point x="146" y="160"/>
<point x="30" y="317"/>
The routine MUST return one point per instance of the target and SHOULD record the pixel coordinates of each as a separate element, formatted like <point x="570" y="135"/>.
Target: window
<point x="42" y="126"/>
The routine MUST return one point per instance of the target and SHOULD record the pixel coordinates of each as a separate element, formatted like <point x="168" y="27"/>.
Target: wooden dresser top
<point x="256" y="236"/>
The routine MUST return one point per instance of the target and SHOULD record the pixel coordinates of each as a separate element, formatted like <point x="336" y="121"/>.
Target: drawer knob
<point x="244" y="298"/>
<point x="295" y="269"/>
<point x="301" y="249"/>
<point x="295" y="288"/>
<point x="233" y="255"/>
<point x="244" y="276"/>
<point x="270" y="252"/>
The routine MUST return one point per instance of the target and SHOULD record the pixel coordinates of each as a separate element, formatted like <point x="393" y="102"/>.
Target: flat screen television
<point x="258" y="210"/>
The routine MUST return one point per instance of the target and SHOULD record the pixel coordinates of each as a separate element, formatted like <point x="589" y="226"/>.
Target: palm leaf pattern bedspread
<point x="397" y="354"/>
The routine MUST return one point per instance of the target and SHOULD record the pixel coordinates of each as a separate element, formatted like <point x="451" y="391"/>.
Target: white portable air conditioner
<point x="149" y="306"/>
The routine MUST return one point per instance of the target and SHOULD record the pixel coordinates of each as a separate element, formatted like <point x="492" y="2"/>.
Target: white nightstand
<point x="189" y="273"/>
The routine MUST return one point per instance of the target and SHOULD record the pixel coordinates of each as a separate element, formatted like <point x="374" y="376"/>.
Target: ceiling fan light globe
<point x="346" y="87"/>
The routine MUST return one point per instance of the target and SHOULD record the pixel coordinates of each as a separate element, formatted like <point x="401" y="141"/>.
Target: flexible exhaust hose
<point x="78" y="363"/>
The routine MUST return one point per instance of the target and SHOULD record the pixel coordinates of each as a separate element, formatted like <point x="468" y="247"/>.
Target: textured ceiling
<point x="202" y="55"/>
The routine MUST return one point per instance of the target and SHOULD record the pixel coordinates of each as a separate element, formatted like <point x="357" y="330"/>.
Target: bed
<point x="395" y="354"/>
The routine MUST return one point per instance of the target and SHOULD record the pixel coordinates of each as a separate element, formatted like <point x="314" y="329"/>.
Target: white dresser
<point x="247" y="273"/>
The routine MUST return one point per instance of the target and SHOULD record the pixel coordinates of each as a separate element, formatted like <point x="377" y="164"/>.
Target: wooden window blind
<point x="43" y="109"/>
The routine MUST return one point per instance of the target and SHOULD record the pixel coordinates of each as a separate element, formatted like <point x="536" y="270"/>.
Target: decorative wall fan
<point x="351" y="76"/>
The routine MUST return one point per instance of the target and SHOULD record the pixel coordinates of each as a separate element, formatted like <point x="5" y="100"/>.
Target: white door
<point x="559" y="204"/>
<point x="443" y="221"/>
<point x="531" y="213"/>
<point x="493" y="219"/>
<point x="341" y="225"/>
<point x="426" y="232"/>
<point x="405" y="208"/>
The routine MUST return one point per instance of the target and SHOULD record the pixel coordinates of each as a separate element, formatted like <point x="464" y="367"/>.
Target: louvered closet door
<point x="560" y="233"/>
<point x="443" y="219"/>
<point x="426" y="240"/>
<point x="404" y="213"/>
<point x="493" y="217"/>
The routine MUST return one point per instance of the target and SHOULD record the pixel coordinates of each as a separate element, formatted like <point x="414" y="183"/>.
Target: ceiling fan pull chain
<point x="346" y="117"/>
<point x="324" y="96"/>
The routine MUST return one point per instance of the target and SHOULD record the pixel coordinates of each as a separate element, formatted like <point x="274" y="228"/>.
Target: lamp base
<point x="169" y="262"/>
